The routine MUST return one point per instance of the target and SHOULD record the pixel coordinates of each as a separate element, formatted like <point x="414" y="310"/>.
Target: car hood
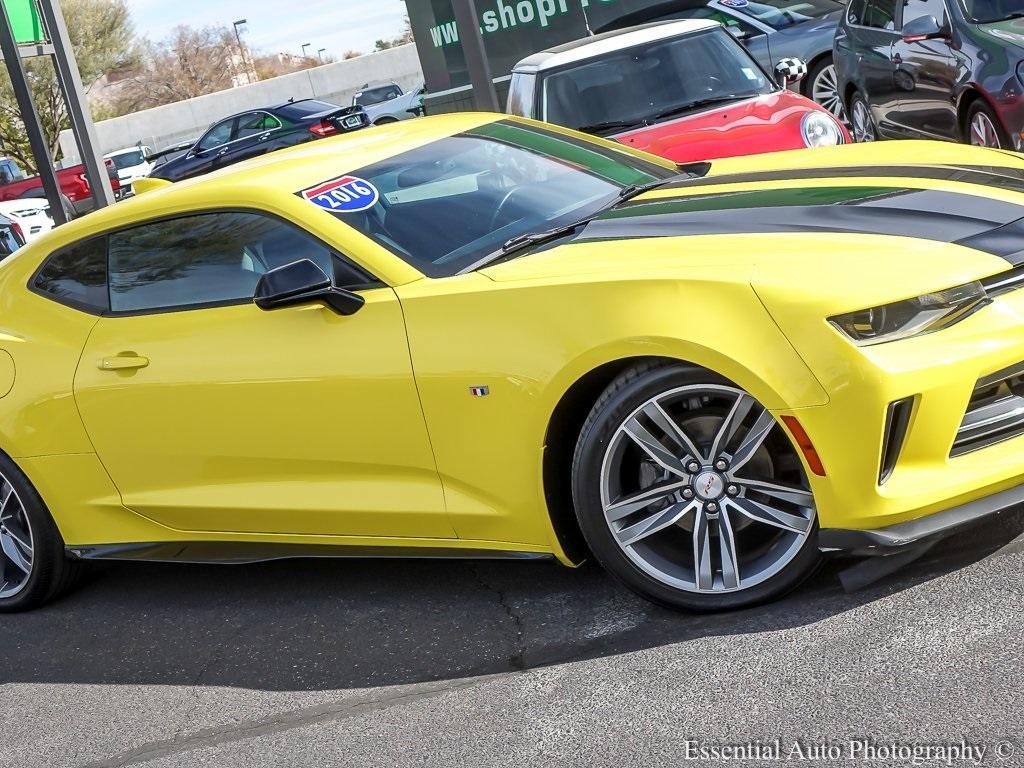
<point x="765" y="123"/>
<point x="1006" y="32"/>
<point x="941" y="223"/>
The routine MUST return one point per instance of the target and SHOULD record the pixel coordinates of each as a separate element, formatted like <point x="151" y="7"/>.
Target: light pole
<point x="320" y="53"/>
<point x="304" y="47"/>
<point x="241" y="49"/>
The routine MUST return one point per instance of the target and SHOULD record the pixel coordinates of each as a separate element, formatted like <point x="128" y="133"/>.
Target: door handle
<point x="123" y="362"/>
<point x="222" y="152"/>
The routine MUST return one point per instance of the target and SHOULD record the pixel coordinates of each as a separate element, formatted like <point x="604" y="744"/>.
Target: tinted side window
<point x="77" y="276"/>
<point x="914" y="9"/>
<point x="880" y="14"/>
<point x="219" y="134"/>
<point x="855" y="12"/>
<point x="206" y="259"/>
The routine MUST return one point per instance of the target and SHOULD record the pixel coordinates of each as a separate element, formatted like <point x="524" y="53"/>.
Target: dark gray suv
<point x="936" y="69"/>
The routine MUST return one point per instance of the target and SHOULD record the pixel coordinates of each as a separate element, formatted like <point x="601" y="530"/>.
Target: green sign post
<point x="24" y="16"/>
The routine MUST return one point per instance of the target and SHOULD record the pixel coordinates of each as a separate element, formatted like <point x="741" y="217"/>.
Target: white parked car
<point x="31" y="214"/>
<point x="388" y="103"/>
<point x="131" y="164"/>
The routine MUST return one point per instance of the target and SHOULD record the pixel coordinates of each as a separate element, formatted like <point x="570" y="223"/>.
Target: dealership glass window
<point x="880" y="14"/>
<point x="915" y="9"/>
<point x="630" y="87"/>
<point x="76" y="276"/>
<point x="447" y="204"/>
<point x="205" y="259"/>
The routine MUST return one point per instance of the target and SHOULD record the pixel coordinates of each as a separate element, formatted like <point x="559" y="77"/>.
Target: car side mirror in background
<point x="922" y="28"/>
<point x="303" y="282"/>
<point x="790" y="70"/>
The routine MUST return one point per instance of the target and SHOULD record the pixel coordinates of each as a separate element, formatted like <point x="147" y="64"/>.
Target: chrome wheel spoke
<point x="753" y="439"/>
<point x="628" y="505"/>
<point x="667" y="424"/>
<point x="762" y="513"/>
<point x="13" y="553"/>
<point x="731" y="423"/>
<point x="631" y="534"/>
<point x="783" y="493"/>
<point x="727" y="548"/>
<point x="825" y="92"/>
<point x="703" y="574"/>
<point x="653" y="447"/>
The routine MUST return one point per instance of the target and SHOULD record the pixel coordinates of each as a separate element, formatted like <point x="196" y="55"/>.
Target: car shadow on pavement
<point x="342" y="624"/>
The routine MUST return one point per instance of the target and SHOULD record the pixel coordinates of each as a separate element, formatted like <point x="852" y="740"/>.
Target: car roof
<point x="608" y="42"/>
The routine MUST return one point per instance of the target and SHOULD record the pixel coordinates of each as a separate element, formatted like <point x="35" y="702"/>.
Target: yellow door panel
<point x="296" y="420"/>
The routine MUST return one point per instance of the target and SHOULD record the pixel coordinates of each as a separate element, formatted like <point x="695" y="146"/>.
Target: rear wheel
<point x="688" y="491"/>
<point x="386" y="120"/>
<point x="33" y="566"/>
<point x="984" y="128"/>
<point x="861" y="122"/>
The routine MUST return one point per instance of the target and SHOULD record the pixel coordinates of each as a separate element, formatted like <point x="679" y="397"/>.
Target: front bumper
<point x="924" y="530"/>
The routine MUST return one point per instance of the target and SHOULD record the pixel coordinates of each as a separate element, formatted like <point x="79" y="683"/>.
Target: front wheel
<point x="984" y="128"/>
<point x="688" y="491"/>
<point x="862" y="123"/>
<point x="823" y="87"/>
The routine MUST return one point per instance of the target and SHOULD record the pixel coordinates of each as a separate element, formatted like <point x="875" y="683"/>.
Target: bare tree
<point x="102" y="39"/>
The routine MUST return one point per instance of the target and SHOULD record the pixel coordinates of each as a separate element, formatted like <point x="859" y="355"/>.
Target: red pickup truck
<point x="74" y="185"/>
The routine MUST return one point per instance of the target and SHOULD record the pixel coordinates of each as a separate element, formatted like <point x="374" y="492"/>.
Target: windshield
<point x="984" y="11"/>
<point x="128" y="159"/>
<point x="632" y="87"/>
<point x="780" y="14"/>
<point x="446" y="205"/>
<point x="376" y="95"/>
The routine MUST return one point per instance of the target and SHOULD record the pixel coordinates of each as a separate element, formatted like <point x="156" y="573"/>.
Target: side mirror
<point x="303" y="282"/>
<point x="790" y="70"/>
<point x="922" y="28"/>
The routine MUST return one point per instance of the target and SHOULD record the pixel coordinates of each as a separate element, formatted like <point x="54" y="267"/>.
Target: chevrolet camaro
<point x="482" y="336"/>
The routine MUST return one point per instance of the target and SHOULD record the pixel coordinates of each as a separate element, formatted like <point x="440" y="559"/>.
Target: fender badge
<point x="479" y="391"/>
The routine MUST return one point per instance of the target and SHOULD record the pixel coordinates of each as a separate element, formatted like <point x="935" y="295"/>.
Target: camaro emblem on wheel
<point x="708" y="485"/>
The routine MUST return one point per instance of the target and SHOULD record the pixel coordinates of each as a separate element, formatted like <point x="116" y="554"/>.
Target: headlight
<point x="913" y="317"/>
<point x="820" y="130"/>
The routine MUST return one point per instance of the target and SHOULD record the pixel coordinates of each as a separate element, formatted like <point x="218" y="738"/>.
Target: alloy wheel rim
<point x="825" y="92"/>
<point x="983" y="133"/>
<point x="17" y="542"/>
<point x="694" y="496"/>
<point x="863" y="128"/>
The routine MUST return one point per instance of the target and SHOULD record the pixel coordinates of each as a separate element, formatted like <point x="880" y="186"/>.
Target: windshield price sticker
<point x="346" y="194"/>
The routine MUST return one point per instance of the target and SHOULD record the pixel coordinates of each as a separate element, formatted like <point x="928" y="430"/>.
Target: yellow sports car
<point x="478" y="336"/>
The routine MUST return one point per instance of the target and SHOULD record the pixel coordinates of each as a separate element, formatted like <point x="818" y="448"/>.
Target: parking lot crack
<point x="517" y="660"/>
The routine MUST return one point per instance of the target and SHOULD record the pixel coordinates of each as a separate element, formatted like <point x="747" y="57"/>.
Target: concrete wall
<point x="158" y="127"/>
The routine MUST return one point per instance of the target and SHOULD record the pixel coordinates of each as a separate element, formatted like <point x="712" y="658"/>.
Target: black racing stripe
<point x="1010" y="179"/>
<point x="977" y="222"/>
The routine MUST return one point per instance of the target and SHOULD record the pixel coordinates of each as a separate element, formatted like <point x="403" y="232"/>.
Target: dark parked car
<point x="770" y="30"/>
<point x="933" y="69"/>
<point x="259" y="131"/>
<point x="11" y="236"/>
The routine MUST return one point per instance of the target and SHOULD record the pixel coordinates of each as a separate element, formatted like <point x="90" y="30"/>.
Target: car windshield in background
<point x="128" y="160"/>
<point x="780" y="14"/>
<point x="372" y="96"/>
<point x="446" y="205"/>
<point x="302" y="109"/>
<point x="631" y="88"/>
<point x="984" y="11"/>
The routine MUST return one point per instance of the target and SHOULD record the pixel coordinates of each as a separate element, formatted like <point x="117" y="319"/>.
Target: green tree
<point x="103" y="41"/>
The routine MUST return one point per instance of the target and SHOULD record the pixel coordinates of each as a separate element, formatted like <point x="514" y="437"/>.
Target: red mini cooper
<point x="685" y="90"/>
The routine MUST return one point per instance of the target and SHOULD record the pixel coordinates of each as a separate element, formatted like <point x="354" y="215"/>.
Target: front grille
<point x="995" y="412"/>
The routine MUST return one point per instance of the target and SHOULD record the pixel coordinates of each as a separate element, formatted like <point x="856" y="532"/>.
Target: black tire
<point x="52" y="573"/>
<point x="866" y="132"/>
<point x="980" y="109"/>
<point x="386" y="120"/>
<point x="623" y="396"/>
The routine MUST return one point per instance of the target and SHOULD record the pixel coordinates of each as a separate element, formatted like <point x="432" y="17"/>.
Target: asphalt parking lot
<point x="326" y="663"/>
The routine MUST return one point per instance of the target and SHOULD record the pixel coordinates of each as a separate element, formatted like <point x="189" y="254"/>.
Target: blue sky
<point x="280" y="25"/>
